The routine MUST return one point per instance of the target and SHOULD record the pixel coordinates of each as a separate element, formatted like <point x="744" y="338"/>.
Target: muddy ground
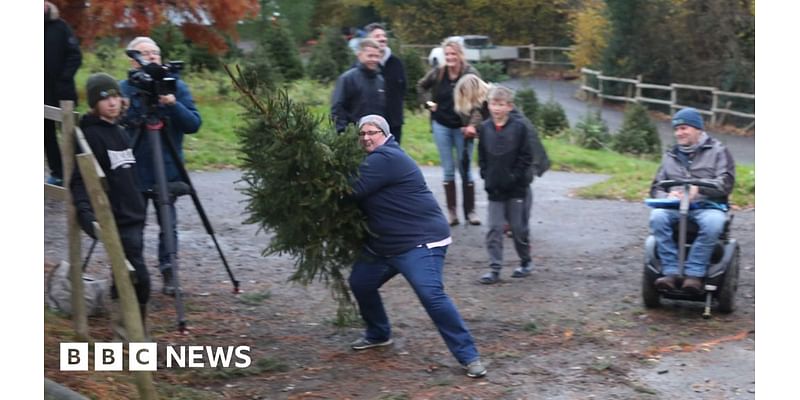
<point x="575" y="329"/>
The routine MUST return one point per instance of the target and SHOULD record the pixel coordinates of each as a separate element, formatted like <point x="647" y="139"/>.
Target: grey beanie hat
<point x="376" y="120"/>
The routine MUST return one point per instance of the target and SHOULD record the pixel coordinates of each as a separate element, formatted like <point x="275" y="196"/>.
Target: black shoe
<point x="666" y="282"/>
<point x="169" y="285"/>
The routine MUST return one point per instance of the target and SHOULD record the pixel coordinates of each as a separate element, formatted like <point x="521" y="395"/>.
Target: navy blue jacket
<point x="401" y="211"/>
<point x="359" y="91"/>
<point x="179" y="119"/>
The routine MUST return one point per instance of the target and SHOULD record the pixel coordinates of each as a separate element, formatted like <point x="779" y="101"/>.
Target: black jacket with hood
<point x="111" y="147"/>
<point x="505" y="157"/>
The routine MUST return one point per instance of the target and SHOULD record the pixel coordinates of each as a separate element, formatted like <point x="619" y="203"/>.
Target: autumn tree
<point x="202" y="21"/>
<point x="590" y="30"/>
<point x="541" y="22"/>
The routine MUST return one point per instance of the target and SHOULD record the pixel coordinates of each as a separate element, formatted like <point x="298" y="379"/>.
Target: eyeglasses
<point x="147" y="53"/>
<point x="369" y="133"/>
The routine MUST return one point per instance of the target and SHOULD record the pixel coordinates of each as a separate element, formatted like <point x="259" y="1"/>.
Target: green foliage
<point x="542" y="22"/>
<point x="330" y="57"/>
<point x="638" y="135"/>
<point x="415" y="70"/>
<point x="200" y="57"/>
<point x="592" y="132"/>
<point x="553" y="119"/>
<point x="297" y="172"/>
<point x="528" y="103"/>
<point x="172" y="42"/>
<point x="106" y="50"/>
<point x="491" y="71"/>
<point x="698" y="42"/>
<point x="282" y="51"/>
<point x="258" y="73"/>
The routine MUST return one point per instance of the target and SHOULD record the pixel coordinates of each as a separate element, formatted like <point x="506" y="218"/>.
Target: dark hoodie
<point x="110" y="146"/>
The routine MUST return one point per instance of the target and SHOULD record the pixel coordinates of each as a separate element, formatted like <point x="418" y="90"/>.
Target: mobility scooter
<point x="722" y="274"/>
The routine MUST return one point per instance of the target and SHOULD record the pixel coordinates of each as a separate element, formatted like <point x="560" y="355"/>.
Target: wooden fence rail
<point x="634" y="95"/>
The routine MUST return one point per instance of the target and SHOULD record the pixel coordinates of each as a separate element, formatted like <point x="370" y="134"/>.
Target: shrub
<point x="638" y="135"/>
<point x="527" y="103"/>
<point x="282" y="51"/>
<point x="330" y="57"/>
<point x="553" y="119"/>
<point x="106" y="51"/>
<point x="172" y="42"/>
<point x="592" y="132"/>
<point x="415" y="70"/>
<point x="491" y="71"/>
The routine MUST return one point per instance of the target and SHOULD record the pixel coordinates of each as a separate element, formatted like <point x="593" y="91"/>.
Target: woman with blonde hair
<point x="436" y="93"/>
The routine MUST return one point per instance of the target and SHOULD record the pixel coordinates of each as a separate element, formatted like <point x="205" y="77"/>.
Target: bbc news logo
<point x="74" y="356"/>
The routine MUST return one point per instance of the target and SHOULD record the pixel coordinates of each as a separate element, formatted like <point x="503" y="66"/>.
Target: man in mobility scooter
<point x="710" y="169"/>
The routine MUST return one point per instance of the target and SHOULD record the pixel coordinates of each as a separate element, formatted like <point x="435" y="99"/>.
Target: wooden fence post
<point x="673" y="99"/>
<point x="600" y="92"/>
<point x="638" y="88"/>
<point x="714" y="103"/>
<point x="532" y="55"/>
<point x="79" y="317"/>
<point x="110" y="238"/>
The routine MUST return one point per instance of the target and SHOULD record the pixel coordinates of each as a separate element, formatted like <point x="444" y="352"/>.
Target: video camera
<point x="153" y="79"/>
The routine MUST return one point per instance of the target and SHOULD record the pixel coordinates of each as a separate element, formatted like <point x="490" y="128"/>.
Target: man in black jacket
<point x="62" y="58"/>
<point x="394" y="78"/>
<point x="360" y="90"/>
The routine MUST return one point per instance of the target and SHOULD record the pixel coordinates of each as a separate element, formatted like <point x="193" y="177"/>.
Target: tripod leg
<point x="154" y="126"/>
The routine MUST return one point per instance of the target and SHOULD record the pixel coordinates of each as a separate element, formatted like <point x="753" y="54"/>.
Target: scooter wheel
<point x="651" y="296"/>
<point x="726" y="299"/>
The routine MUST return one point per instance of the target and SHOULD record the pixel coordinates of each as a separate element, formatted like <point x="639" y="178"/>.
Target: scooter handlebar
<point x="666" y="184"/>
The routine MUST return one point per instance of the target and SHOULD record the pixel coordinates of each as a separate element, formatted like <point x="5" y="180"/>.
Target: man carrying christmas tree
<point x="408" y="234"/>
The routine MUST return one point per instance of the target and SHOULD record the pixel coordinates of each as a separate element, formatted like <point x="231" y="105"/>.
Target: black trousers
<point x="132" y="238"/>
<point x="51" y="149"/>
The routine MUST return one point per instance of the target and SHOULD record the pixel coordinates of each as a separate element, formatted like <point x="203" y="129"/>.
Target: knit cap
<point x="376" y="120"/>
<point x="100" y="86"/>
<point x="688" y="116"/>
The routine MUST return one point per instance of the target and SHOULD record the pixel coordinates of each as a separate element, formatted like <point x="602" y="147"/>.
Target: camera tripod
<point x="153" y="126"/>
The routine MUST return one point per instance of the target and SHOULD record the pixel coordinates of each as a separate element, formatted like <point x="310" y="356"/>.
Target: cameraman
<point x="180" y="116"/>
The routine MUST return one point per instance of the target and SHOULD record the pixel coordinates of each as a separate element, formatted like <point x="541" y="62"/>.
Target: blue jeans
<point x="710" y="223"/>
<point x="422" y="268"/>
<point x="447" y="140"/>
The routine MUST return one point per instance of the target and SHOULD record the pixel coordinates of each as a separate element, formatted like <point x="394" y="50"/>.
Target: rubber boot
<point x="450" y="194"/>
<point x="469" y="204"/>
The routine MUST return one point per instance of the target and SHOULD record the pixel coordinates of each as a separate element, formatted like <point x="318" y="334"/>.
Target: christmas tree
<point x="297" y="171"/>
